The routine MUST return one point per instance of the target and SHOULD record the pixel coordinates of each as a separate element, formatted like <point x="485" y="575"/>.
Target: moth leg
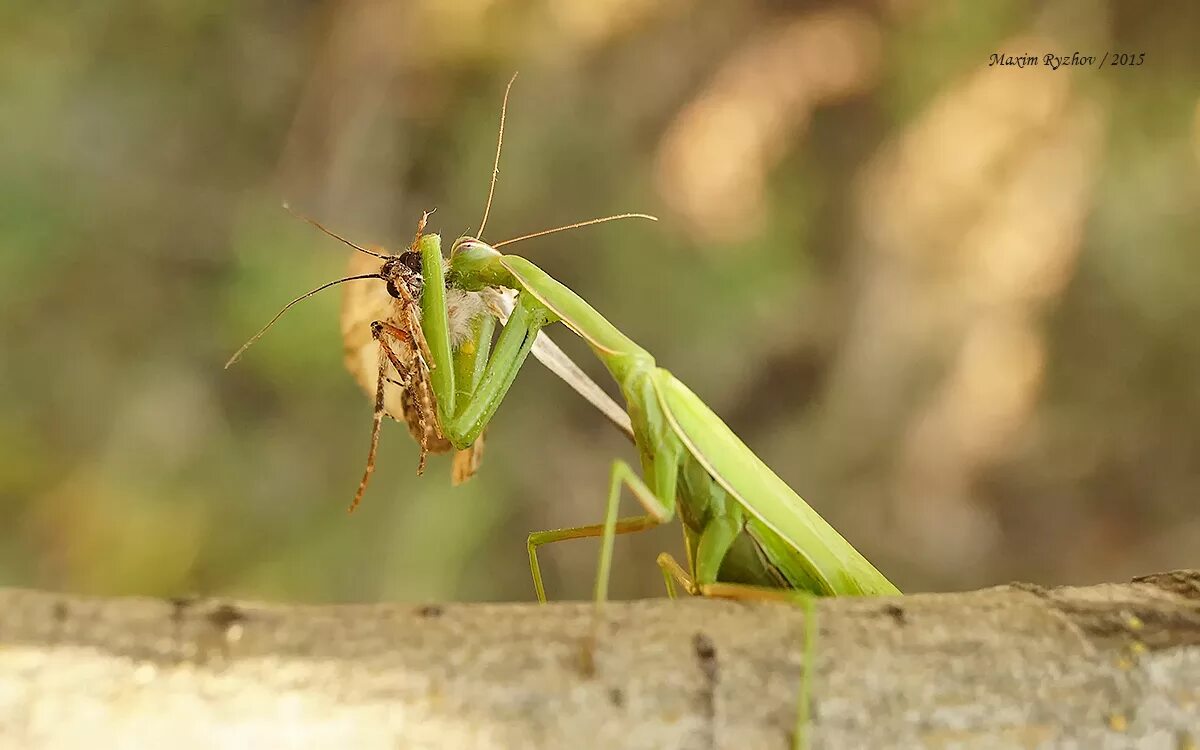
<point x="376" y="423"/>
<point x="415" y="334"/>
<point x="379" y="330"/>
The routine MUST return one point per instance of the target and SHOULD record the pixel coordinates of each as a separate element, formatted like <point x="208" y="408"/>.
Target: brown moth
<point x="385" y="347"/>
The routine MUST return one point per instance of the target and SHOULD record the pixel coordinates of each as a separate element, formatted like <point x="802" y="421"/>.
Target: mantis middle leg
<point x="657" y="512"/>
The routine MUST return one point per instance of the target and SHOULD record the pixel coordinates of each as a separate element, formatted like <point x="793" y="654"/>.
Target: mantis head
<point x="475" y="264"/>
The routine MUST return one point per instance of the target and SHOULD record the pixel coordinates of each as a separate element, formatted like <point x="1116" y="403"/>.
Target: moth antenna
<point x="237" y="355"/>
<point x="334" y="235"/>
<point x="496" y="165"/>
<point x="576" y="225"/>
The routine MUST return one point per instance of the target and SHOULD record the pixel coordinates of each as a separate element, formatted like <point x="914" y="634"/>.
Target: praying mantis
<point x="747" y="532"/>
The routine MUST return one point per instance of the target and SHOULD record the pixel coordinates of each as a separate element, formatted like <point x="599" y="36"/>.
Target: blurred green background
<point x="955" y="306"/>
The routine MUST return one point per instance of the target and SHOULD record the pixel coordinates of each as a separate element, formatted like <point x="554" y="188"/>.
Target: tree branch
<point x="1021" y="666"/>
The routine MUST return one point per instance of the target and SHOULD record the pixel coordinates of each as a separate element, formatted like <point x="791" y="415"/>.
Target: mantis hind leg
<point x="807" y="602"/>
<point x="674" y="573"/>
<point x="714" y="543"/>
<point x="710" y="550"/>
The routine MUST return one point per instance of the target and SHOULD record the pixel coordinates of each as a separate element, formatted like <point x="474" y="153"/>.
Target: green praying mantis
<point x="747" y="532"/>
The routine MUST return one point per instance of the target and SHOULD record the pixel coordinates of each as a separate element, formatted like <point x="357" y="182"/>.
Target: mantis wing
<point x="557" y="361"/>
<point x="818" y="547"/>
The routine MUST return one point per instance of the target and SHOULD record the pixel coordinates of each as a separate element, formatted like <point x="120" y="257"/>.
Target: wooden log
<point x="1108" y="666"/>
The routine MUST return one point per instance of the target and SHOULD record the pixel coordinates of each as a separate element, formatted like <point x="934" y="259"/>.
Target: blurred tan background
<point x="954" y="306"/>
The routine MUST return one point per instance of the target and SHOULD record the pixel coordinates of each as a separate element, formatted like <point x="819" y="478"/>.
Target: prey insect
<point x="394" y="347"/>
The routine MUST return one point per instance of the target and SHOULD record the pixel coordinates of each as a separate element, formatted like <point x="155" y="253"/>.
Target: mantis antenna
<point x="496" y="165"/>
<point x="492" y="190"/>
<point x="576" y="225"/>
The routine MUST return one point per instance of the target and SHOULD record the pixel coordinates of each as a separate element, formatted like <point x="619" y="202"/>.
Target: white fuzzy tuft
<point x="463" y="308"/>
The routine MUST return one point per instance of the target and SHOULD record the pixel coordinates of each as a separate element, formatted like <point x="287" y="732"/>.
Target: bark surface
<point x="1108" y="666"/>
